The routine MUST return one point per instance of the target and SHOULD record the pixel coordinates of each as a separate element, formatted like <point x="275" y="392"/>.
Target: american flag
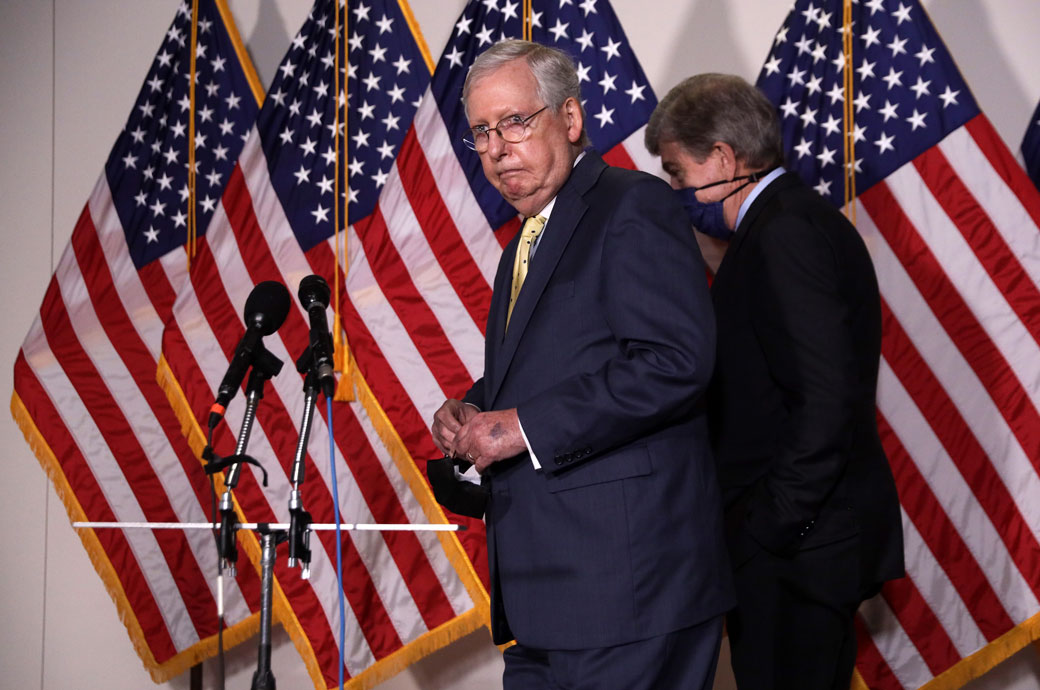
<point x="422" y="265"/>
<point x="951" y="222"/>
<point x="406" y="594"/>
<point x="85" y="392"/>
<point x="1031" y="147"/>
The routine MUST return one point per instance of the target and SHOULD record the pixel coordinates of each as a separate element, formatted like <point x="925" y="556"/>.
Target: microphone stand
<point x="299" y="528"/>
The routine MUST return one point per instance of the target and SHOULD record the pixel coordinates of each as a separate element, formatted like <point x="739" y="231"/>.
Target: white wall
<point x="70" y="72"/>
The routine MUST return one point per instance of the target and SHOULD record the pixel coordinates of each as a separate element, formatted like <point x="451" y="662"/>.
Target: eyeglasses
<point x="512" y="130"/>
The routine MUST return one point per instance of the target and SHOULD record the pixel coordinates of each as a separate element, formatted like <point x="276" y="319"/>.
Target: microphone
<point x="265" y="312"/>
<point x="314" y="295"/>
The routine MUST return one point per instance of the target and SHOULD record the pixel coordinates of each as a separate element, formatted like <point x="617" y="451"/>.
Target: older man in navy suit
<point x="607" y="556"/>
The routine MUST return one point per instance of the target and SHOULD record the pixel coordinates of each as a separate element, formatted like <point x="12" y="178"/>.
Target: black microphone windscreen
<point x="313" y="289"/>
<point x="267" y="306"/>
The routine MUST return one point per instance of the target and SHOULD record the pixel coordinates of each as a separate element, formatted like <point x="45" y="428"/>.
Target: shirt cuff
<point x="530" y="450"/>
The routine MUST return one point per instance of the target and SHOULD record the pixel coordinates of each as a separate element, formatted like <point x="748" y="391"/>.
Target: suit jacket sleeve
<point x="803" y="322"/>
<point x="654" y="296"/>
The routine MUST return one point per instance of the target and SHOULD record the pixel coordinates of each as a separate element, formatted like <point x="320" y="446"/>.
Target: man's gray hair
<point x="553" y="71"/>
<point x="718" y="107"/>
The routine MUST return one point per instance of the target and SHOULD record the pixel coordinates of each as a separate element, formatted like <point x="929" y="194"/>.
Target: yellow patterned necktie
<point x="532" y="227"/>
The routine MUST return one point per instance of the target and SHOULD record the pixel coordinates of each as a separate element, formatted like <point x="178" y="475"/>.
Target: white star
<point x="380" y="178"/>
<point x="302" y="175"/>
<point x="200" y="140"/>
<point x="836" y="93"/>
<point x="371" y="81"/>
<point x="819" y="53"/>
<point x="823" y="188"/>
<point x="209" y="204"/>
<point x="130" y="161"/>
<point x="158" y="209"/>
<point x="212" y="88"/>
<point x="804" y="45"/>
<point x="287" y="70"/>
<point x="155" y="83"/>
<point x="329" y="155"/>
<point x="607" y="82"/>
<point x="921" y="87"/>
<point x="897" y="46"/>
<point x="361" y="12"/>
<point x="396" y="94"/>
<point x="232" y="101"/>
<point x="636" y="92"/>
<point x="859" y="133"/>
<point x="384" y="24"/>
<point x="560" y="30"/>
<point x="813" y="86"/>
<point x="808" y="117"/>
<point x="916" y="120"/>
<point x="485" y="35"/>
<point x="141" y="198"/>
<point x="390" y="121"/>
<point x="772" y="66"/>
<point x="804" y="148"/>
<point x="491" y="5"/>
<point x="902" y="14"/>
<point x="949" y="97"/>
<point x="925" y="55"/>
<point x="585" y="39"/>
<point x="286" y="135"/>
<point x="605" y="116"/>
<point x="314" y="118"/>
<point x="180" y="220"/>
<point x="402" y="65"/>
<point x="355" y="41"/>
<point x="360" y="139"/>
<point x="509" y="11"/>
<point x="811" y="13"/>
<point x="583" y="72"/>
<point x="152" y="234"/>
<point x="866" y="69"/>
<point x="355" y="166"/>
<point x="889" y="111"/>
<point x="146" y="109"/>
<point x="227" y="127"/>
<point x="378" y="54"/>
<point x="308" y="147"/>
<point x="832" y="125"/>
<point x="206" y="114"/>
<point x="462" y="26"/>
<point x="366" y="110"/>
<point x="325" y="184"/>
<point x="588" y="6"/>
<point x="789" y="107"/>
<point x="795" y="77"/>
<point x="893" y="78"/>
<point x="781" y="36"/>
<point x="170" y="155"/>
<point x="884" y="143"/>
<point x="870" y="37"/>
<point x="138" y="135"/>
<point x="321" y="214"/>
<point x="862" y="101"/>
<point x="299" y="42"/>
<point x="321" y="89"/>
<point x="611" y="49"/>
<point x="385" y="151"/>
<point x="213" y="178"/>
<point x="875" y="5"/>
<point x="824" y="20"/>
<point x="164" y="58"/>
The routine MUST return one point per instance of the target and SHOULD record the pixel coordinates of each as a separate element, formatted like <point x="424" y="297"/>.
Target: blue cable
<point x="339" y="542"/>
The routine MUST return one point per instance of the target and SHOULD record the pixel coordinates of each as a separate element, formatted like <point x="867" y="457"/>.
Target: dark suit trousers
<point x="793" y="625"/>
<point x="682" y="660"/>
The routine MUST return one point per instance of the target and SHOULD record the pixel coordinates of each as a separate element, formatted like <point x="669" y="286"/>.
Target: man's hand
<point x="447" y="421"/>
<point x="489" y="437"/>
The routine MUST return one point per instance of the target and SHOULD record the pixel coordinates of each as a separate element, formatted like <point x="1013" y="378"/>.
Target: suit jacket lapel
<point x="568" y="211"/>
<point x="748" y="221"/>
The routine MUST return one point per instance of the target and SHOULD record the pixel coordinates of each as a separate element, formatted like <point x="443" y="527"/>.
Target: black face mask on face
<point x="708" y="217"/>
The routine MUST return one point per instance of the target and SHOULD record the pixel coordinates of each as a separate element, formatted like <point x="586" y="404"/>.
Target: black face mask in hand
<point x="457" y="495"/>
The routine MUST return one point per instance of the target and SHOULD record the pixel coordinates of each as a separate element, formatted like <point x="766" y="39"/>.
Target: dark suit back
<point x="792" y="401"/>
<point x="608" y="354"/>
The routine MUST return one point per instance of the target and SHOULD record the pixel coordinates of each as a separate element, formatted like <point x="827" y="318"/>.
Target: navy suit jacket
<point x="607" y="358"/>
<point x="792" y="402"/>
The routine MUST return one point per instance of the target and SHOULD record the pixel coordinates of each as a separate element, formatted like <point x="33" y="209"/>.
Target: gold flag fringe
<point x="159" y="672"/>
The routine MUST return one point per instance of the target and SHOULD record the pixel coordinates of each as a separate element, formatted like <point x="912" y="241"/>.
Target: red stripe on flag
<point x="440" y="230"/>
<point x="978" y="472"/>
<point x="1005" y="165"/>
<point x="920" y="624"/>
<point x="871" y="665"/>
<point x="419" y="320"/>
<point x="505" y="232"/>
<point x="119" y="434"/>
<point x="982" y="236"/>
<point x="91" y="498"/>
<point x="955" y="316"/>
<point x="618" y="157"/>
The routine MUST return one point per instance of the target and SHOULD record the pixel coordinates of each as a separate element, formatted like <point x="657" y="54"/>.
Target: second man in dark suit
<point x="812" y="515"/>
